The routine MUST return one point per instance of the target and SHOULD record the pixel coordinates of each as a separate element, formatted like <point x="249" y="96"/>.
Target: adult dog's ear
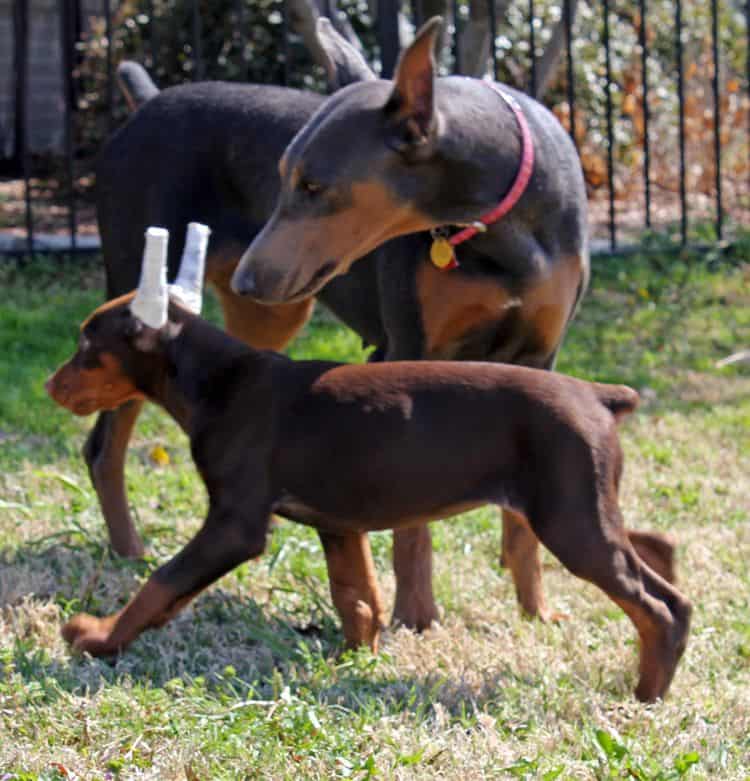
<point x="411" y="107"/>
<point x="343" y="63"/>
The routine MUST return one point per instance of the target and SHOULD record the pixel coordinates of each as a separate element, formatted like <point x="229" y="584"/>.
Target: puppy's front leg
<point x="354" y="587"/>
<point x="225" y="540"/>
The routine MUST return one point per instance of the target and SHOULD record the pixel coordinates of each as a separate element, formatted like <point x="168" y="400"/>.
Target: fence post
<point x="568" y="21"/>
<point x="610" y="129"/>
<point x="388" y="36"/>
<point x="646" y="116"/>
<point x="67" y="43"/>
<point x="717" y="115"/>
<point x="21" y="124"/>
<point x="681" y="119"/>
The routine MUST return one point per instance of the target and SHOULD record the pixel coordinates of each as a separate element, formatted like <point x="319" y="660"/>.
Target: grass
<point x="249" y="681"/>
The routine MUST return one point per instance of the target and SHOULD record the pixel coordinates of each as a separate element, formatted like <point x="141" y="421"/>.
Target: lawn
<point x="249" y="682"/>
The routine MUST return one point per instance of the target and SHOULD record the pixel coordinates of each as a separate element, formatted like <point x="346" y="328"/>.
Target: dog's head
<point x="356" y="175"/>
<point x="119" y="343"/>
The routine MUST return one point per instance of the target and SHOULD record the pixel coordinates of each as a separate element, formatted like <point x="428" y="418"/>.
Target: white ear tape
<point x="188" y="287"/>
<point x="150" y="302"/>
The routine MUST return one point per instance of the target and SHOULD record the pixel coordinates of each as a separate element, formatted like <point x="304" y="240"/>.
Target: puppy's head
<point x="104" y="371"/>
<point x="119" y="343"/>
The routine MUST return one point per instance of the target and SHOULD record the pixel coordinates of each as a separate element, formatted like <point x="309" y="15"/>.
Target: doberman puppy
<point x="349" y="449"/>
<point x="510" y="300"/>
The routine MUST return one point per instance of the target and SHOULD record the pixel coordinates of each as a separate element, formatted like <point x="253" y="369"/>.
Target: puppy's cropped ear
<point x="141" y="336"/>
<point x="343" y="63"/>
<point x="411" y="107"/>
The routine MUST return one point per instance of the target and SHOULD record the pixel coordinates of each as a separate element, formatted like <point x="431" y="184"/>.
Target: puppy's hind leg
<point x="657" y="550"/>
<point x="660" y="613"/>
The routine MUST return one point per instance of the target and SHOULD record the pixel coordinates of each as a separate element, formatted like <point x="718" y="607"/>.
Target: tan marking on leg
<point x="354" y="588"/>
<point x="452" y="304"/>
<point x="153" y="606"/>
<point x="412" y="562"/>
<point x="260" y="326"/>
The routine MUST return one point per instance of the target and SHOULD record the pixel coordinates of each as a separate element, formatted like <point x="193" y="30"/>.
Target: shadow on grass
<point x="260" y="643"/>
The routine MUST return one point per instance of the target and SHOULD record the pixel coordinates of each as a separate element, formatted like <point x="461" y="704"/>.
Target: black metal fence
<point x="638" y="145"/>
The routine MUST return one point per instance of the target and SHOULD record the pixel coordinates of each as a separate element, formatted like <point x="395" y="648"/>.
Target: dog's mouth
<point x="317" y="281"/>
<point x="83" y="407"/>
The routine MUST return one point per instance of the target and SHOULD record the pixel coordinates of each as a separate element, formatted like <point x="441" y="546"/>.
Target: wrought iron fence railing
<point x="657" y="100"/>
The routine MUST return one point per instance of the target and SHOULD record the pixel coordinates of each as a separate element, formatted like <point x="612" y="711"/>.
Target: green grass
<point x="249" y="681"/>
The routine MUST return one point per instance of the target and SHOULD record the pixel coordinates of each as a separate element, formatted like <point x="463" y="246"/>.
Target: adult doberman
<point x="349" y="449"/>
<point x="209" y="152"/>
<point x="382" y="159"/>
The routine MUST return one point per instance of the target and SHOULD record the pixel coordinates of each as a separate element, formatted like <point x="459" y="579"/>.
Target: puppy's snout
<point x="56" y="387"/>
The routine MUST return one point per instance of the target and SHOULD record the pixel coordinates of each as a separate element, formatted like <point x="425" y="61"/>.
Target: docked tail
<point x="620" y="400"/>
<point x="136" y="85"/>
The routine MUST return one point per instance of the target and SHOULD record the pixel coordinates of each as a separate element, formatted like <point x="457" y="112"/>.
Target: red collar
<point x="517" y="189"/>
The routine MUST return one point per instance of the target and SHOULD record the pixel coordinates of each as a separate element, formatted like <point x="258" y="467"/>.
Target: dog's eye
<point x="310" y="188"/>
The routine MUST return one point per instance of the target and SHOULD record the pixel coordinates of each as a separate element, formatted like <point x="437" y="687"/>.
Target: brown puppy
<point x="351" y="449"/>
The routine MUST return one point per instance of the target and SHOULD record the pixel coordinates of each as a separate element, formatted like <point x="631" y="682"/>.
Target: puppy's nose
<point x="55" y="388"/>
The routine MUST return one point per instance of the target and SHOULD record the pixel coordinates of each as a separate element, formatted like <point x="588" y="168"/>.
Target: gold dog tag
<point x="441" y="253"/>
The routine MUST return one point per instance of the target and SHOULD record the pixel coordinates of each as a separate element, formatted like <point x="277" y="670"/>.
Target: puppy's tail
<point x="620" y="400"/>
<point x="136" y="85"/>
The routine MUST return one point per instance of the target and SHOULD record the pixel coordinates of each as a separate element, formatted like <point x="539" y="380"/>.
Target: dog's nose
<point x="243" y="282"/>
<point x="260" y="281"/>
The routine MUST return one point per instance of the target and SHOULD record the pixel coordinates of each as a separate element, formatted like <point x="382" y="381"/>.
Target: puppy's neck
<point x="195" y="366"/>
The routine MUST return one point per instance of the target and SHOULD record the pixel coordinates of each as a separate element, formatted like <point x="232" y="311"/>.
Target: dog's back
<point x="204" y="151"/>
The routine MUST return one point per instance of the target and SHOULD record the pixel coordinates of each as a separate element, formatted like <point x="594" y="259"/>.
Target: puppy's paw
<point x="88" y="633"/>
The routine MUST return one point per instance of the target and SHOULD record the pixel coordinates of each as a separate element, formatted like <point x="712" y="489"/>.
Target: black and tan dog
<point x="349" y="449"/>
<point x="378" y="159"/>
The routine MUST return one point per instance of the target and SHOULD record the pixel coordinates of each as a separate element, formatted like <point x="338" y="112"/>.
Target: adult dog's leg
<point x="520" y="553"/>
<point x="105" y="452"/>
<point x="354" y="587"/>
<point x="412" y="563"/>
